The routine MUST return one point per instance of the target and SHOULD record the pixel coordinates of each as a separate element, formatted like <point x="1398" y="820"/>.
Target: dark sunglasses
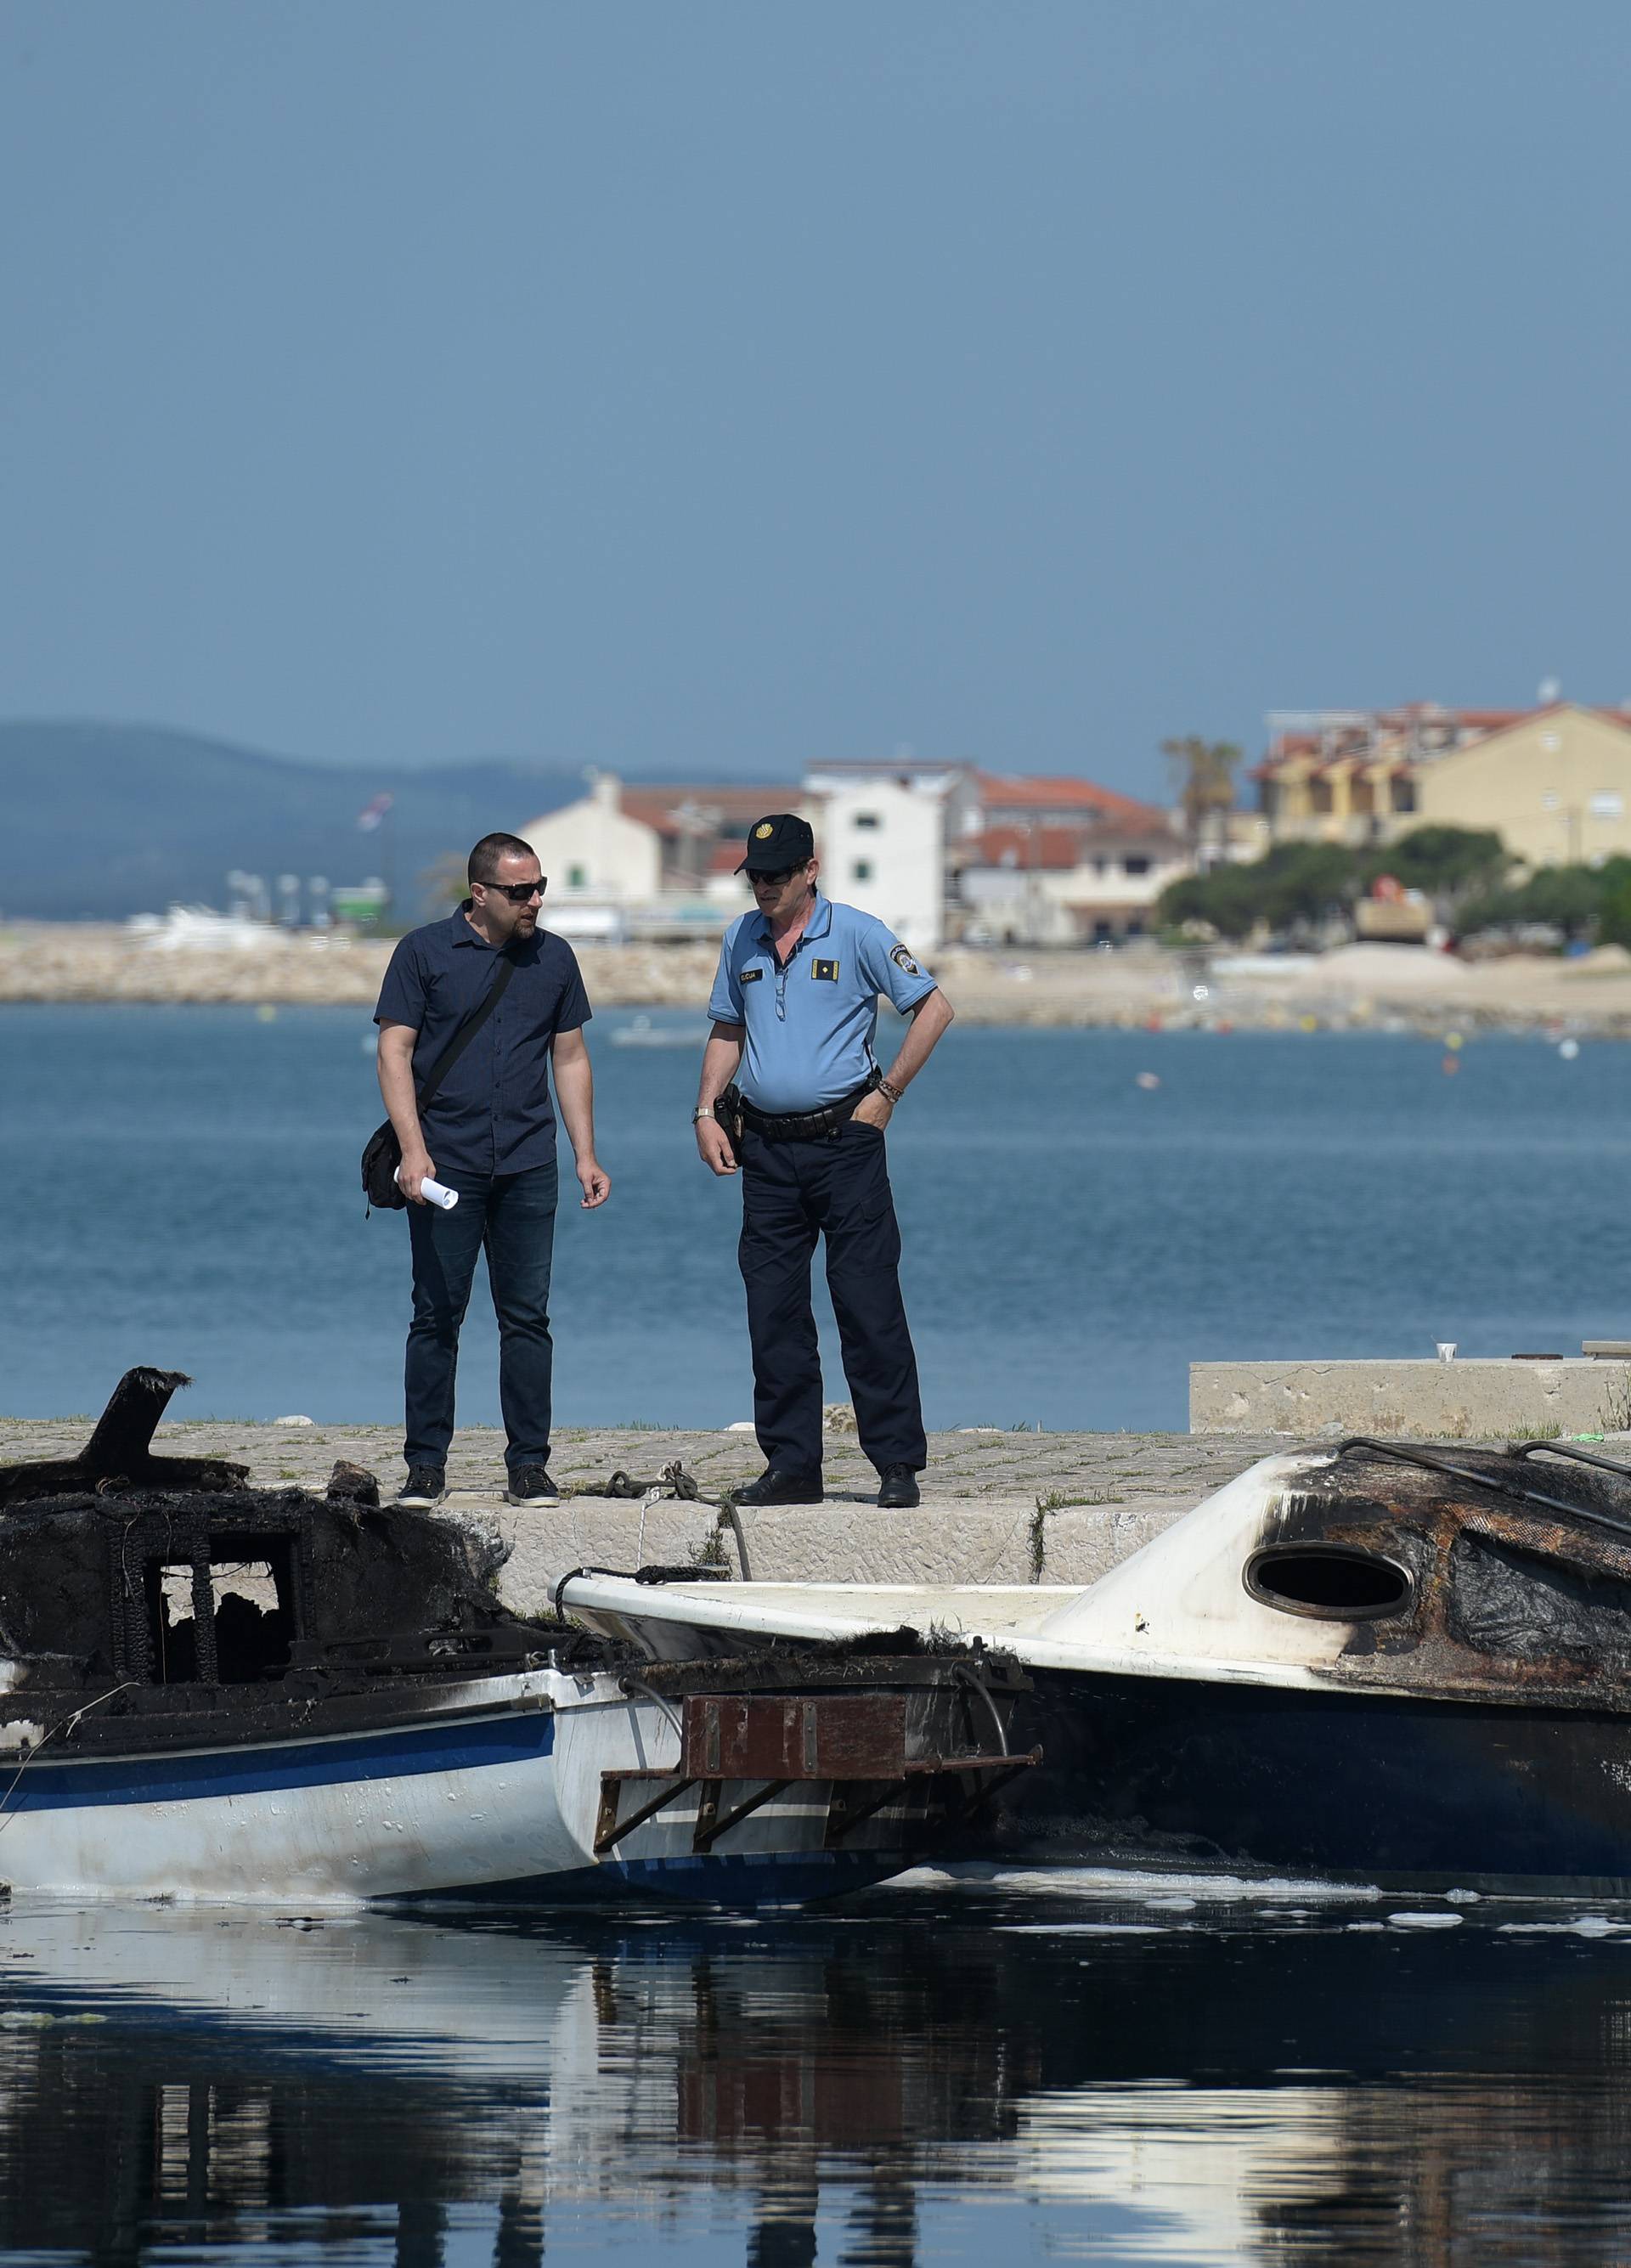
<point x="782" y="874"/>
<point x="518" y="892"/>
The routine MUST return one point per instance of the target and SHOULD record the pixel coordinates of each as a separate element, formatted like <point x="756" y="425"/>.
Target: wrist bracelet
<point x="702" y="1111"/>
<point x="891" y="1095"/>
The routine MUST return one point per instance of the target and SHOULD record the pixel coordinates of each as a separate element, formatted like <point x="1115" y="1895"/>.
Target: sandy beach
<point x="1356" y="986"/>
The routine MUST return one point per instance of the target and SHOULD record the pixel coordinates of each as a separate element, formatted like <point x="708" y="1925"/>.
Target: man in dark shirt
<point x="488" y="1133"/>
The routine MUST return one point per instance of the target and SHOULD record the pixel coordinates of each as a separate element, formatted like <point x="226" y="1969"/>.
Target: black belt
<point x="809" y="1125"/>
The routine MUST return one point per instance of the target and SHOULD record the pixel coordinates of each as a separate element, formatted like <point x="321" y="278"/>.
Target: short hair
<point x="484" y="866"/>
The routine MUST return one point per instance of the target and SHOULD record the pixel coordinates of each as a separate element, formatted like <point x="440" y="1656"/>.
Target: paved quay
<point x="998" y="1508"/>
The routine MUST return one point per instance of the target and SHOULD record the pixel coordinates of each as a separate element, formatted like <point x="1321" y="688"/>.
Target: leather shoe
<point x="898" y="1488"/>
<point x="774" y="1486"/>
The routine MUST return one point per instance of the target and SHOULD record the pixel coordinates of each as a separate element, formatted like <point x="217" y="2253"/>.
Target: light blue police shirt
<point x="810" y="1025"/>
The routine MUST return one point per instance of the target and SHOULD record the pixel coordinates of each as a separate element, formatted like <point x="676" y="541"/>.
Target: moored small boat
<point x="1408" y="1665"/>
<point x="211" y="1692"/>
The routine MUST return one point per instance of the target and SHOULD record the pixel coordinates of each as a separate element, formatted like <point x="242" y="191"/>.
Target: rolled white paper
<point x="435" y="1194"/>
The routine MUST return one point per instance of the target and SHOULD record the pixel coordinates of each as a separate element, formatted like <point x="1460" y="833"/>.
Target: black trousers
<point x="793" y="1192"/>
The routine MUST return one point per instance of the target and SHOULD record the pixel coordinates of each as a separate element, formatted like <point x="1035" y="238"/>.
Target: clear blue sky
<point x="703" y="386"/>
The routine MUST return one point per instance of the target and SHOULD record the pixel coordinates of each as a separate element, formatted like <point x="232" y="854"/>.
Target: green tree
<point x="1441" y="862"/>
<point x="1295" y="885"/>
<point x="1613" y="921"/>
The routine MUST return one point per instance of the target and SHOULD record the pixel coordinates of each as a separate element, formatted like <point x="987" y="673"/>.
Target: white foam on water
<point x="1425" y="1920"/>
<point x="1086" y="1929"/>
<point x="1126" y="1882"/>
<point x="1583" y="1925"/>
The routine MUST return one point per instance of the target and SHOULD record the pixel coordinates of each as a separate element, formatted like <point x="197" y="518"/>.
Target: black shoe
<point x="898" y="1488"/>
<point x="423" y="1489"/>
<point x="777" y="1486"/>
<point x="531" y="1485"/>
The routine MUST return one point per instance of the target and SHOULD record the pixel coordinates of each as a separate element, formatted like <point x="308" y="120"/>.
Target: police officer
<point x="794" y="1008"/>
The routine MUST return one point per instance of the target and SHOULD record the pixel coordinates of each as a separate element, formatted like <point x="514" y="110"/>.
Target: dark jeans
<point x="793" y="1192"/>
<point x="510" y="1217"/>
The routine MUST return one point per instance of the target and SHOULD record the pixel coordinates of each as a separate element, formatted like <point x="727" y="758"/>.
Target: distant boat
<point x="643" y="1033"/>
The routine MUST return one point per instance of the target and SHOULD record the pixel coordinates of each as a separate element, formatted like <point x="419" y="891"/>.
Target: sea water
<point x="181" y="1188"/>
<point x="948" y="2072"/>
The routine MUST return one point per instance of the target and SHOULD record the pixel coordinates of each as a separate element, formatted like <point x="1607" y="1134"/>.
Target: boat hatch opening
<point x="224" y="1618"/>
<point x="1331" y="1581"/>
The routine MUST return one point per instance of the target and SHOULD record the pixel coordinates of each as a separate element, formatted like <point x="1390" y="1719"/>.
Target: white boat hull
<point x="496" y="1792"/>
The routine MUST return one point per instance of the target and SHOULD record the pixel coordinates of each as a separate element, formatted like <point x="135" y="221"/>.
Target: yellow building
<point x="1553" y="783"/>
<point x="1555" y="786"/>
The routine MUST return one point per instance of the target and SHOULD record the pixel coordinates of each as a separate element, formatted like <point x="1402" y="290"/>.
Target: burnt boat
<point x="208" y="1690"/>
<point x="1376" y="1662"/>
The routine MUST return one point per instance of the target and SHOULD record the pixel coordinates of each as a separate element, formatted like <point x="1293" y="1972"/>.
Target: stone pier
<point x="997" y="1507"/>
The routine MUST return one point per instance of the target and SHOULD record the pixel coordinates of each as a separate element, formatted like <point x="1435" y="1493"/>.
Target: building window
<point x="1404" y="795"/>
<point x="577" y="878"/>
<point x="1135" y="865"/>
<point x="1319" y="795"/>
<point x="866" y="818"/>
<point x="861" y="871"/>
<point x="1608" y="806"/>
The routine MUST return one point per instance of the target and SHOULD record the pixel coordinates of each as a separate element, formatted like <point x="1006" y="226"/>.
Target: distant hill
<point x="111" y="820"/>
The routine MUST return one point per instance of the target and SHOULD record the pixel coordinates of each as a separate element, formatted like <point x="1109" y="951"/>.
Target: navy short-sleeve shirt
<point x="492" y="1114"/>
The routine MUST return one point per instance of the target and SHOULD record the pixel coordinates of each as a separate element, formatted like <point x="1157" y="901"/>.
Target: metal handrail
<point x="1567" y="1449"/>
<point x="1429" y="1462"/>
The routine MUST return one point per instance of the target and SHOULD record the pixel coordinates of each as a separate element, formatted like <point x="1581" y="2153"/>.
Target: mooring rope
<point x="63" y="1724"/>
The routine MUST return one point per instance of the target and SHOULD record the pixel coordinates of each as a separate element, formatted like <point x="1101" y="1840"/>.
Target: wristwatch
<point x="704" y="1110"/>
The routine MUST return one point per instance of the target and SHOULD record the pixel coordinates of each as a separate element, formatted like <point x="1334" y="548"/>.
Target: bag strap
<point x="468" y="1030"/>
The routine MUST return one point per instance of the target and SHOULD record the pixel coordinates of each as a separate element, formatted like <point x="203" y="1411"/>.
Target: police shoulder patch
<point x="825" y="972"/>
<point x="749" y="976"/>
<point x="904" y="962"/>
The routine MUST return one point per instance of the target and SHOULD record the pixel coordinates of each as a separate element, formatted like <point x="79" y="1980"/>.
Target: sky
<point x="700" y="388"/>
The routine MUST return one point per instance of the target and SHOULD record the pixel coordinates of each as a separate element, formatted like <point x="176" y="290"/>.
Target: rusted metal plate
<point x="813" y="1736"/>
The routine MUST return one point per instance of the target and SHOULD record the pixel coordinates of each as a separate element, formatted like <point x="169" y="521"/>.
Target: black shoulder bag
<point x="383" y="1152"/>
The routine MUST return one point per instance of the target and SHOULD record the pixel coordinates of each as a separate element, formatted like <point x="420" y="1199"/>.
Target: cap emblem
<point x="763" y="829"/>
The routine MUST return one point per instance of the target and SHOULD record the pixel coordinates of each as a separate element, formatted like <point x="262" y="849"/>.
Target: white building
<point x="1094" y="879"/>
<point x="885" y="832"/>
<point x="651" y="862"/>
<point x="592" y="853"/>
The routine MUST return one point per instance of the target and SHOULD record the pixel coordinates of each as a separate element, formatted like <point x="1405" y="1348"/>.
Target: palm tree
<point x="1203" y="775"/>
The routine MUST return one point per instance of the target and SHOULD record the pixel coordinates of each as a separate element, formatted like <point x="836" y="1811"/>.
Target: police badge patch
<point x="904" y="962"/>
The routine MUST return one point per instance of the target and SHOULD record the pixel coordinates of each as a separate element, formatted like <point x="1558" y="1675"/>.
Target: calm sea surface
<point x="180" y="1188"/>
<point x="1053" y="2070"/>
<point x="1048" y="2068"/>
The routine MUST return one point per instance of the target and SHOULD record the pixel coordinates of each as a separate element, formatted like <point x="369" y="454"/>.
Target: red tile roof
<point x="1058" y="850"/>
<point x="735" y="806"/>
<point x="998" y="793"/>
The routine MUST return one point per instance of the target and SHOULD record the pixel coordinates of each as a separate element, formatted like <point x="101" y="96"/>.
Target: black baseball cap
<point x="778" y="843"/>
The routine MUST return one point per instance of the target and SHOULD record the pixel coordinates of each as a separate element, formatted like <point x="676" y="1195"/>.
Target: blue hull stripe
<point x="402" y="1753"/>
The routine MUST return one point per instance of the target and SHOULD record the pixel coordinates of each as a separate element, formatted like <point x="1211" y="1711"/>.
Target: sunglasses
<point x="516" y="893"/>
<point x="782" y="874"/>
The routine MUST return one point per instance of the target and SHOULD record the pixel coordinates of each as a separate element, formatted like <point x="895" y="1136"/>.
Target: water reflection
<point x="950" y="2073"/>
